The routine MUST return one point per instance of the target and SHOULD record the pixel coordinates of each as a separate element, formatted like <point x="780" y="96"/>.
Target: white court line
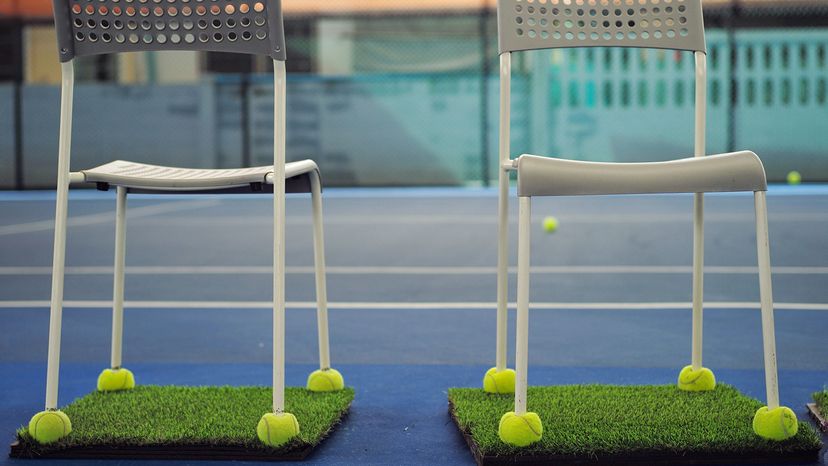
<point x="566" y="219"/>
<point x="406" y="270"/>
<point x="106" y="217"/>
<point x="103" y="304"/>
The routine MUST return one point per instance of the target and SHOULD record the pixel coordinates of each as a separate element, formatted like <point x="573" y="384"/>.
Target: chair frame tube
<point x="698" y="213"/>
<point x="503" y="213"/>
<point x="319" y="270"/>
<point x="766" y="299"/>
<point x="279" y="96"/>
<point x="522" y="338"/>
<point x="118" y="278"/>
<point x="67" y="88"/>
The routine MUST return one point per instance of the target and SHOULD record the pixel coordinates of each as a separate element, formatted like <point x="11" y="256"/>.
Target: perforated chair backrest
<point x="547" y="24"/>
<point x="93" y="27"/>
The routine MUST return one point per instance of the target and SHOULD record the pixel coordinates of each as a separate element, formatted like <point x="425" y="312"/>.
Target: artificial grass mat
<point x="602" y="422"/>
<point x="203" y="417"/>
<point x="821" y="399"/>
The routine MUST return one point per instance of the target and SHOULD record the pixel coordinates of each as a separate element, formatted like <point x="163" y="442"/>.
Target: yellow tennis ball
<point x="520" y="431"/>
<point x="701" y="380"/>
<point x="794" y="177"/>
<point x="49" y="426"/>
<point x="499" y="382"/>
<point x="112" y="380"/>
<point x="277" y="429"/>
<point x="775" y="424"/>
<point x="550" y="224"/>
<point x="328" y="380"/>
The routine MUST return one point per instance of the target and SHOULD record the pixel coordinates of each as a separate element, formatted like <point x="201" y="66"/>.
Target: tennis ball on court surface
<point x="520" y="431"/>
<point x="112" y="380"/>
<point x="499" y="382"/>
<point x="794" y="177"/>
<point x="701" y="380"/>
<point x="49" y="426"/>
<point x="277" y="429"/>
<point x="327" y="380"/>
<point x="775" y="424"/>
<point x="550" y="224"/>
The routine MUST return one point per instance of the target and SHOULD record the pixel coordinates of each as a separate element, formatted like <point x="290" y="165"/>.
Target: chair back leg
<point x="118" y="278"/>
<point x="700" y="144"/>
<point x="319" y="270"/>
<point x="522" y="339"/>
<point x="59" y="254"/>
<point x="503" y="214"/>
<point x="280" y="91"/>
<point x="766" y="299"/>
<point x="502" y="271"/>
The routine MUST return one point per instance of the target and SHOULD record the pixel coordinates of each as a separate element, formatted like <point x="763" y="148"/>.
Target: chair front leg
<point x="773" y="421"/>
<point x="325" y="379"/>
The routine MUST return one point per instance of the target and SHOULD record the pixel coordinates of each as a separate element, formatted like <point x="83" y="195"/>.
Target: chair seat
<point x="735" y="172"/>
<point x="155" y="178"/>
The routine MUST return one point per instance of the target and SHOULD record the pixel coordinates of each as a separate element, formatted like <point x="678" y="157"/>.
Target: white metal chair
<point x="240" y="26"/>
<point x="664" y="24"/>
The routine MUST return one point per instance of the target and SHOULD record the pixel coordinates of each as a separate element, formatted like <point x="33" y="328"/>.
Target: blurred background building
<point x="404" y="92"/>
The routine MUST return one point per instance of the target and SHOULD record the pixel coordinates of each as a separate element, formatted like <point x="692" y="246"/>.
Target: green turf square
<point x="605" y="422"/>
<point x="191" y="419"/>
<point x="821" y="399"/>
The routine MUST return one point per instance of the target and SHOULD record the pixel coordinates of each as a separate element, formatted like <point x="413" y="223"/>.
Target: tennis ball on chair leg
<point x="277" y="429"/>
<point x="112" y="380"/>
<point x="775" y="424"/>
<point x="49" y="426"/>
<point x="325" y="380"/>
<point x="520" y="431"/>
<point x="499" y="382"/>
<point x="701" y="380"/>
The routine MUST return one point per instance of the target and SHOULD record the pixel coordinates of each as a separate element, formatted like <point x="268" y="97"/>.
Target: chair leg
<point x="277" y="427"/>
<point x="522" y="338"/>
<point x="501" y="379"/>
<point x="58" y="263"/>
<point x="56" y="305"/>
<point x="773" y="422"/>
<point x="325" y="379"/>
<point x="117" y="378"/>
<point x="522" y="428"/>
<point x="698" y="280"/>
<point x="696" y="377"/>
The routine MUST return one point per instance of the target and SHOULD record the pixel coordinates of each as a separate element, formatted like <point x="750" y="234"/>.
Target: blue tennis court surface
<point x="412" y="287"/>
